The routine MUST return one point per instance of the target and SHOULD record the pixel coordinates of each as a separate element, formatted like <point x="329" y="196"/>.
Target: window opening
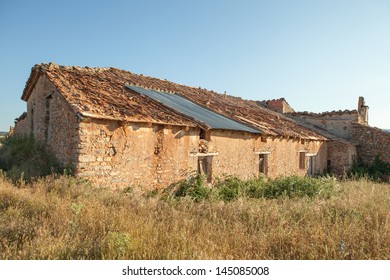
<point x="204" y="135"/>
<point x="302" y="160"/>
<point x="329" y="165"/>
<point x="263" y="164"/>
<point x="47" y="117"/>
<point x="32" y="121"/>
<point x="312" y="166"/>
<point x="205" y="167"/>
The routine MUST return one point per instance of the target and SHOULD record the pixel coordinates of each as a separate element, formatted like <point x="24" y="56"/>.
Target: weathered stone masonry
<point x="139" y="154"/>
<point x="112" y="153"/>
<point x="372" y="142"/>
<point x="50" y="119"/>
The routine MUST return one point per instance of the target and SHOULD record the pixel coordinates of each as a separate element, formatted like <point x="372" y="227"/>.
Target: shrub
<point x="378" y="170"/>
<point x="22" y="157"/>
<point x="254" y="188"/>
<point x="229" y="189"/>
<point x="295" y="186"/>
<point x="194" y="188"/>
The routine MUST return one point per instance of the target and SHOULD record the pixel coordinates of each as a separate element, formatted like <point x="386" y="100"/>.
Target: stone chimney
<point x="362" y="111"/>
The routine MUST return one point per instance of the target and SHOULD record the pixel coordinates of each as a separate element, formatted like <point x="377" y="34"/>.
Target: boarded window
<point x="302" y="160"/>
<point x="205" y="167"/>
<point x="263" y="163"/>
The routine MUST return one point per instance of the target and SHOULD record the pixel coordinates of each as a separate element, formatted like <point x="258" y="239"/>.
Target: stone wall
<point x="285" y="153"/>
<point x="337" y="123"/>
<point x="341" y="156"/>
<point x="51" y="121"/>
<point x="61" y="130"/>
<point x="113" y="154"/>
<point x="21" y="127"/>
<point x="239" y="154"/>
<point x="372" y="142"/>
<point x="236" y="155"/>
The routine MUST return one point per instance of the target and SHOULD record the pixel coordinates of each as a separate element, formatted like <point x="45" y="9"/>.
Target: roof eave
<point x="83" y="115"/>
<point x="30" y="84"/>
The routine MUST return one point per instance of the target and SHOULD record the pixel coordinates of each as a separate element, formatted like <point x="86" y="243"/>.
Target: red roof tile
<point x="101" y="93"/>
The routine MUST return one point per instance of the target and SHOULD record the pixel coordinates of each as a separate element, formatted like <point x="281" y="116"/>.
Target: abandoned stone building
<point x="118" y="129"/>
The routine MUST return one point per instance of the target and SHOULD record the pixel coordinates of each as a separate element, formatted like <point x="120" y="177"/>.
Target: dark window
<point x="205" y="135"/>
<point x="329" y="165"/>
<point x="263" y="164"/>
<point x="47" y="117"/>
<point x="32" y="121"/>
<point x="302" y="160"/>
<point x="312" y="169"/>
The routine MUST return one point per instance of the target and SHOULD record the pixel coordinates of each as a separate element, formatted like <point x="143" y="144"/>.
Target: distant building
<point x="351" y="128"/>
<point x="118" y="129"/>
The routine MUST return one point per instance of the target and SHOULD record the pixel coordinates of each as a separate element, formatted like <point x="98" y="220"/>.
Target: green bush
<point x="22" y="157"/>
<point x="295" y="186"/>
<point x="194" y="188"/>
<point x="379" y="170"/>
<point x="231" y="188"/>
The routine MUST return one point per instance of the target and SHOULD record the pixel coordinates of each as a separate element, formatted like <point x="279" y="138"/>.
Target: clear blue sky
<point x="319" y="55"/>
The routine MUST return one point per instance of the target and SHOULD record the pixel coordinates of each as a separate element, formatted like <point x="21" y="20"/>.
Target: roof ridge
<point x="307" y="113"/>
<point x="54" y="66"/>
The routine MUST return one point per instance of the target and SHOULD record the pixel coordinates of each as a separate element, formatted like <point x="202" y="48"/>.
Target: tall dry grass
<point x="66" y="218"/>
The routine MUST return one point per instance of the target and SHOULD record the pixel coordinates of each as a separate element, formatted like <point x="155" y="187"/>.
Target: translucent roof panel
<point x="191" y="109"/>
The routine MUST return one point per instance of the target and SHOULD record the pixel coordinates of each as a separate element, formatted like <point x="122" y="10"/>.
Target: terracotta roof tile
<point x="101" y="93"/>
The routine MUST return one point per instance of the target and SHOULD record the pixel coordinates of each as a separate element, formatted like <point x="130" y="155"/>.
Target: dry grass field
<point x="66" y="218"/>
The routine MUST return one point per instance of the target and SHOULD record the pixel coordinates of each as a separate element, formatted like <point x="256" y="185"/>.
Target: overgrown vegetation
<point x="67" y="218"/>
<point x="378" y="170"/>
<point x="25" y="158"/>
<point x="62" y="217"/>
<point x="231" y="188"/>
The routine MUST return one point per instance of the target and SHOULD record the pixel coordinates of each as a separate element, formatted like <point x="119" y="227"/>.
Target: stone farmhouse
<point x="118" y="129"/>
